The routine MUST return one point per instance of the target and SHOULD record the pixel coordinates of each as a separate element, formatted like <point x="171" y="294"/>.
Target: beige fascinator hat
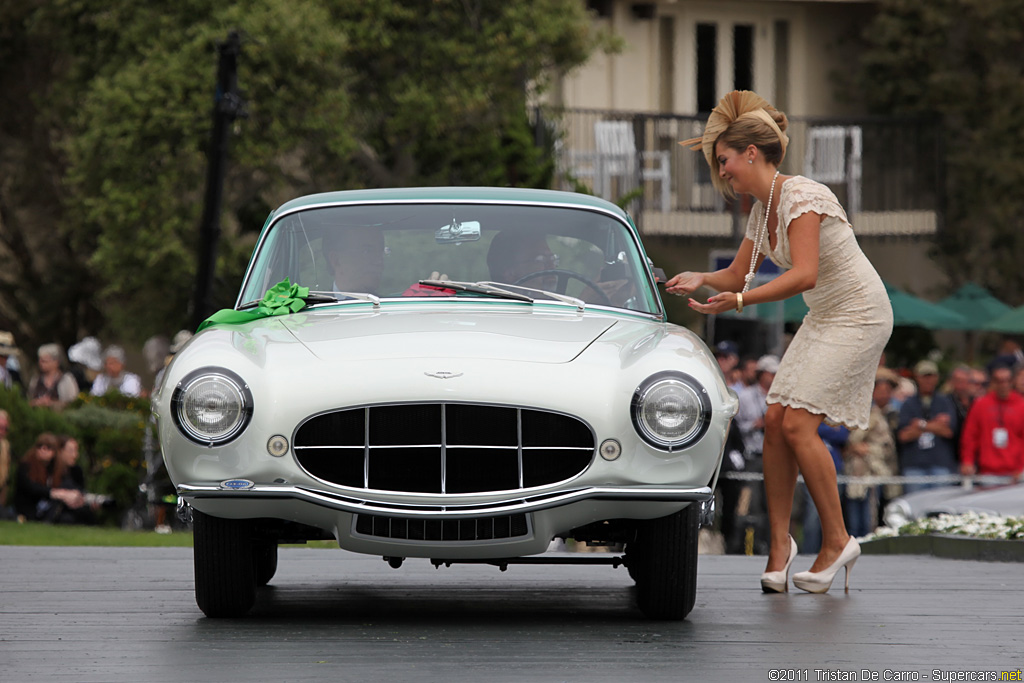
<point x="739" y="105"/>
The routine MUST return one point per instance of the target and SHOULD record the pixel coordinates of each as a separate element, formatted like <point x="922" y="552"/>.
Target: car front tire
<point x="265" y="561"/>
<point x="663" y="562"/>
<point x="225" y="566"/>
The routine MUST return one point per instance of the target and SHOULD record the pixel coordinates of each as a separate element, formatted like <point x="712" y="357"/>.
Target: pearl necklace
<point x="762" y="231"/>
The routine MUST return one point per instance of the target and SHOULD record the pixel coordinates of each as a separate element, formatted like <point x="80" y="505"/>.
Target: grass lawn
<point x="38" y="533"/>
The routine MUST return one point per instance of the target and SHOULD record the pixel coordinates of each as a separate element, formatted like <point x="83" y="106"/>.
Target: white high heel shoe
<point x="778" y="582"/>
<point x="820" y="582"/>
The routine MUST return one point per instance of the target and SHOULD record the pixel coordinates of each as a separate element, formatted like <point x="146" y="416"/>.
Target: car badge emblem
<point x="237" y="484"/>
<point x="443" y="374"/>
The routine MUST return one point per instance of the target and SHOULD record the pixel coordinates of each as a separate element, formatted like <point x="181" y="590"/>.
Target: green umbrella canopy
<point x="1010" y="323"/>
<point x="907" y="311"/>
<point x="911" y="311"/>
<point x="976" y="304"/>
<point x="794" y="309"/>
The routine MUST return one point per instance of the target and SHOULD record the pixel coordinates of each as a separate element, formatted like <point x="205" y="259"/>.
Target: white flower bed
<point x="970" y="524"/>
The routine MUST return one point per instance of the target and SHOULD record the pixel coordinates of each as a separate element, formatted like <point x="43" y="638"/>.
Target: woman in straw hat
<point x="828" y="372"/>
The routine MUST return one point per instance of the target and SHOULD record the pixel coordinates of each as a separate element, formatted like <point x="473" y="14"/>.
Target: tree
<point x="964" y="60"/>
<point x="138" y="136"/>
<point x="45" y="289"/>
<point x="340" y="95"/>
<point x="442" y="86"/>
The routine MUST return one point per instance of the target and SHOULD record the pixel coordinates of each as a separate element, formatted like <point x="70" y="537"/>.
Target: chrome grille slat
<point x="472" y="448"/>
<point x="366" y="448"/>
<point x="519" y="444"/>
<point x="444" y="454"/>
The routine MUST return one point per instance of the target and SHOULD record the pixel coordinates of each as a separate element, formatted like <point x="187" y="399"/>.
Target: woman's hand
<point x="719" y="303"/>
<point x="70" y="497"/>
<point x="685" y="283"/>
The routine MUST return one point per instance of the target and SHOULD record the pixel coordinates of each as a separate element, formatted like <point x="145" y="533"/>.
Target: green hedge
<point x="27" y="422"/>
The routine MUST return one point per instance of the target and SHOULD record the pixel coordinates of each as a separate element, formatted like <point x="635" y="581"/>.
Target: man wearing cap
<point x="993" y="437"/>
<point x="963" y="394"/>
<point x="753" y="403"/>
<point x="925" y="430"/>
<point x="750" y="420"/>
<point x="728" y="356"/>
<point x="86" y="362"/>
<point x="871" y="452"/>
<point x="114" y="376"/>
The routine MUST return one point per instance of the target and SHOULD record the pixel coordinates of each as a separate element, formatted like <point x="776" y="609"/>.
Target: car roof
<point x="472" y="194"/>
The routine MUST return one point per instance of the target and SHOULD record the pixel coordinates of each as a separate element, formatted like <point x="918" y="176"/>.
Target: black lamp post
<point x="228" y="106"/>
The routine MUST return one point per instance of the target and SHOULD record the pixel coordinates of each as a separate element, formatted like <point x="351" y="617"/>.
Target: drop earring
<point x="750" y="161"/>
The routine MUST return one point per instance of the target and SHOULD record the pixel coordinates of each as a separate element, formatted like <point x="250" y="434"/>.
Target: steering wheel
<point x="562" y="282"/>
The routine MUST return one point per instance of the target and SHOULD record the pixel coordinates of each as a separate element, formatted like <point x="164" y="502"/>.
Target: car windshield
<point x="409" y="250"/>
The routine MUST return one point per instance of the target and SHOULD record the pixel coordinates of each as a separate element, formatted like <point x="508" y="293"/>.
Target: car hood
<point x="531" y="335"/>
<point x="1007" y="501"/>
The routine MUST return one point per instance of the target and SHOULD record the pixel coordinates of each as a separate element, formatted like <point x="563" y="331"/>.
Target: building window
<point x="743" y="57"/>
<point x="707" y="61"/>
<point x="782" y="65"/>
<point x="667" y="57"/>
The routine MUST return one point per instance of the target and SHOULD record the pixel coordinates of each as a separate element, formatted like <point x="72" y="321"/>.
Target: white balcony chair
<point x="829" y="160"/>
<point x="616" y="157"/>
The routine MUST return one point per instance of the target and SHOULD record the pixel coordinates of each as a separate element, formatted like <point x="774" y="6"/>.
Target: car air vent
<point x="417" y="529"/>
<point x="443" y="448"/>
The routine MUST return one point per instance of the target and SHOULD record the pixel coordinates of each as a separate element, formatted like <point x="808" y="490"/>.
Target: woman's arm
<point x="804" y="239"/>
<point x="729" y="279"/>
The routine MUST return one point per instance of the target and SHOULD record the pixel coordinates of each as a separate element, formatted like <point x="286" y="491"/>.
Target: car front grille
<point x="443" y="448"/>
<point x="481" y="529"/>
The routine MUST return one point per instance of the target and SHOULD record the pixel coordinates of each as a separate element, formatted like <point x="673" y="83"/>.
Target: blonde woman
<point x="828" y="371"/>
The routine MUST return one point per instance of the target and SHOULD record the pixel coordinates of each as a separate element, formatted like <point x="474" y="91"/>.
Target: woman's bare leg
<point x="800" y="430"/>
<point x="780" y="470"/>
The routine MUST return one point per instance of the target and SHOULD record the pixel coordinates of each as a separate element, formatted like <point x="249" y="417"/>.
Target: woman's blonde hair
<point x="742" y="118"/>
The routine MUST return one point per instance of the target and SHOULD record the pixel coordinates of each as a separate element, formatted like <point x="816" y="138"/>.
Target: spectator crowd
<point x="47" y="483"/>
<point x="925" y="430"/>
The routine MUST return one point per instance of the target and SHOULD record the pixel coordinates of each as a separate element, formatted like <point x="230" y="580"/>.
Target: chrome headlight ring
<point x="211" y="406"/>
<point x="671" y="411"/>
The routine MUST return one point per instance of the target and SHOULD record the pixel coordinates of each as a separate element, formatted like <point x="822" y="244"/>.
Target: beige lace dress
<point x="829" y="368"/>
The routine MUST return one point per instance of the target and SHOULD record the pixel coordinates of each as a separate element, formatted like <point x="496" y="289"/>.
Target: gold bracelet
<point x="739" y="302"/>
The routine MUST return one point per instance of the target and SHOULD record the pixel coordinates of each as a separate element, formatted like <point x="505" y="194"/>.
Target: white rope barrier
<point x="967" y="482"/>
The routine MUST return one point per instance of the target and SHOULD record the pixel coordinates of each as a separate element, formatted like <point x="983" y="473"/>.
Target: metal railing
<point x="886" y="171"/>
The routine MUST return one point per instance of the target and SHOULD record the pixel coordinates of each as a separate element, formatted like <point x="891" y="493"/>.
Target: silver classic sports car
<point x="459" y="374"/>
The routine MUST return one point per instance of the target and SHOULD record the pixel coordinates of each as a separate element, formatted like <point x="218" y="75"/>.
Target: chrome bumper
<point x="659" y="494"/>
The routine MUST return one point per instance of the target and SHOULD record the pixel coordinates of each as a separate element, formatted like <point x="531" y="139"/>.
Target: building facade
<point x="617" y="120"/>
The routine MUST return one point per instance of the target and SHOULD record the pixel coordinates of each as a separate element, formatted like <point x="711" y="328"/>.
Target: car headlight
<point x="671" y="410"/>
<point x="211" y="406"/>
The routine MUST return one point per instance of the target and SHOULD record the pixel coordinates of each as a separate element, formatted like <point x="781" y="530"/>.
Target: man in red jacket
<point x="993" y="437"/>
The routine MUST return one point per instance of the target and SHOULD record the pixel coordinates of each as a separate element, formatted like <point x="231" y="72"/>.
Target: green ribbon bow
<point x="284" y="298"/>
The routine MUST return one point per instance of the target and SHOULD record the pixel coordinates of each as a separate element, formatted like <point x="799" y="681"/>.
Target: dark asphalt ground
<point x="119" y="614"/>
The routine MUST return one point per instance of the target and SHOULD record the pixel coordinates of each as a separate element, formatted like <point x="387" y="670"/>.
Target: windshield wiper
<point x="477" y="288"/>
<point x="580" y="304"/>
<point x="322" y="298"/>
<point x="331" y="297"/>
<point x="319" y="298"/>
